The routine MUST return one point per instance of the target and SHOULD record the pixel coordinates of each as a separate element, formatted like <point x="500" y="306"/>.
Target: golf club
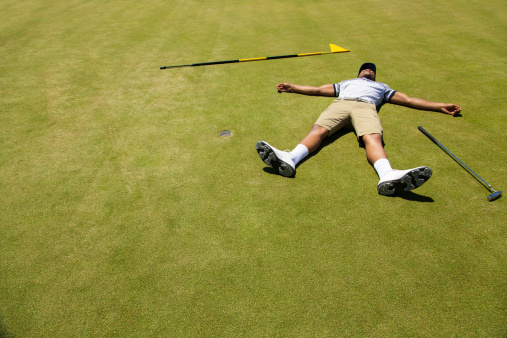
<point x="495" y="194"/>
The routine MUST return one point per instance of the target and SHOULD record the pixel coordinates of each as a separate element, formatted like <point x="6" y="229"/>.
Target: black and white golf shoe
<point x="279" y="160"/>
<point x="398" y="181"/>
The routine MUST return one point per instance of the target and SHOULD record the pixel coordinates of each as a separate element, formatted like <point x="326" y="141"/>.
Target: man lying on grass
<point x="357" y="105"/>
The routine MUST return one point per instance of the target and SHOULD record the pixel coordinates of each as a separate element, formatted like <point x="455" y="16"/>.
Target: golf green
<point x="123" y="212"/>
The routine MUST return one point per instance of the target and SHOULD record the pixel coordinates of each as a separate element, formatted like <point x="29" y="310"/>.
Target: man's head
<point x="368" y="70"/>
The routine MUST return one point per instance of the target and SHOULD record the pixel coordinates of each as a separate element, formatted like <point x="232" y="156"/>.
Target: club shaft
<point x="473" y="173"/>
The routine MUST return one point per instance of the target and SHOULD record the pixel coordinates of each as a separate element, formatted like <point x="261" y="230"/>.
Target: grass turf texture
<point x="124" y="214"/>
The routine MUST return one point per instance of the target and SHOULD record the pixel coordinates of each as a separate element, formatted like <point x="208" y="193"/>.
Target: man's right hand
<point x="284" y="87"/>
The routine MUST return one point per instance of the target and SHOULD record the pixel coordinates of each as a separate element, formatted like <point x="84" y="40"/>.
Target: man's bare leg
<point x="285" y="162"/>
<point x="392" y="181"/>
<point x="314" y="138"/>
<point x="374" y="148"/>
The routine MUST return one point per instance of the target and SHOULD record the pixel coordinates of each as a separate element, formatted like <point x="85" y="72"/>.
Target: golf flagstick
<point x="495" y="194"/>
<point x="334" y="49"/>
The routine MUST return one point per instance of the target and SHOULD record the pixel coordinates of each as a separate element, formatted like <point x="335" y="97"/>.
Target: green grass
<point x="123" y="213"/>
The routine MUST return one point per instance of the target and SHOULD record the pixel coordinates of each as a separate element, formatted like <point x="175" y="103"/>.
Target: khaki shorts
<point x="361" y="116"/>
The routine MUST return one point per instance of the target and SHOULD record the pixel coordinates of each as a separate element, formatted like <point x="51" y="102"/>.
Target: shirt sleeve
<point x="336" y="89"/>
<point x="388" y="94"/>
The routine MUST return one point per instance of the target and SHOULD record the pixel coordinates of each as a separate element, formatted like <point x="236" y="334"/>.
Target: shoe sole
<point x="269" y="157"/>
<point x="413" y="179"/>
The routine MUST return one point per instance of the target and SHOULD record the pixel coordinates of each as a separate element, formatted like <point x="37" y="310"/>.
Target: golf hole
<point x="225" y="133"/>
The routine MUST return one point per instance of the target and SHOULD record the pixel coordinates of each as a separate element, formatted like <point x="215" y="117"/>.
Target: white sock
<point x="382" y="167"/>
<point x="299" y="153"/>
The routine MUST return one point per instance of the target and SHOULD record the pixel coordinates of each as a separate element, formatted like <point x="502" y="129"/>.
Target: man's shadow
<point x="407" y="195"/>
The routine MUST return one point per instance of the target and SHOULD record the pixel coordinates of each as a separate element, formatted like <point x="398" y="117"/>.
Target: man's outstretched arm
<point x="412" y="102"/>
<point x="325" y="90"/>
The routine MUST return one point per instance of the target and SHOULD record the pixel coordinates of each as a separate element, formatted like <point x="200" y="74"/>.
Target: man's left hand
<point x="451" y="109"/>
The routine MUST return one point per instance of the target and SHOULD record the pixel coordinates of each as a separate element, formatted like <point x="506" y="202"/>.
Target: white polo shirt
<point x="376" y="93"/>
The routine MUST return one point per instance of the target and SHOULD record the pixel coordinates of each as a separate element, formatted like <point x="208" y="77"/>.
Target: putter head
<point x="494" y="196"/>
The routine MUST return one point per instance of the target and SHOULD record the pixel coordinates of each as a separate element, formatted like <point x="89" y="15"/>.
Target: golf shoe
<point x="397" y="181"/>
<point x="280" y="160"/>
